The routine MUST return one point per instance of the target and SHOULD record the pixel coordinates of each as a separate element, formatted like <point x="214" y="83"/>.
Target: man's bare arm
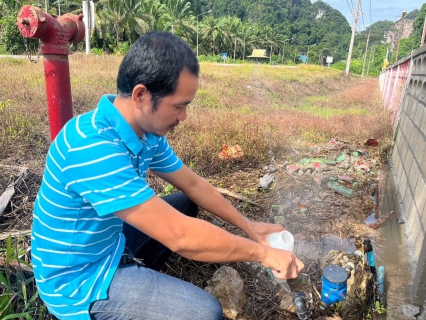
<point x="207" y="197"/>
<point x="199" y="240"/>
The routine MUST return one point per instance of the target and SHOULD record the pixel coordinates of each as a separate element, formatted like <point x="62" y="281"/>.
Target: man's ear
<point x="140" y="95"/>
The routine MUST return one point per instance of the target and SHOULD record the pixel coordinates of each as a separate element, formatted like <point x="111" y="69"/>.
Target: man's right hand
<point x="284" y="264"/>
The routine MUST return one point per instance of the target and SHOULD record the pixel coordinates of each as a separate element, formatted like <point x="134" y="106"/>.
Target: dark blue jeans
<point x="138" y="292"/>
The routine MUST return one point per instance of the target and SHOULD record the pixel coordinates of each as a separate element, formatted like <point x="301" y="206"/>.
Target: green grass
<point x="325" y="112"/>
<point x="19" y="297"/>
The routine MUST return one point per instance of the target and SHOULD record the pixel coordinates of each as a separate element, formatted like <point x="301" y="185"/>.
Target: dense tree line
<point x="233" y="26"/>
<point x="285" y="28"/>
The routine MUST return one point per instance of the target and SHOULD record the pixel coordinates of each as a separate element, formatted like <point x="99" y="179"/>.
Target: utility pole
<point x="235" y="47"/>
<point x="351" y="46"/>
<point x="365" y="55"/>
<point x="89" y="21"/>
<point x="371" y="59"/>
<point x="423" y="34"/>
<point x="402" y="33"/>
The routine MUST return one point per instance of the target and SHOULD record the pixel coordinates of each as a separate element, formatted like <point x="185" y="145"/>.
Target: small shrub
<point x="19" y="296"/>
<point x="97" y="51"/>
<point x="13" y="41"/>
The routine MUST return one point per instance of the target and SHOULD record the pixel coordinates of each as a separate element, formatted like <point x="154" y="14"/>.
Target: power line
<point x="371" y="15"/>
<point x="350" y="7"/>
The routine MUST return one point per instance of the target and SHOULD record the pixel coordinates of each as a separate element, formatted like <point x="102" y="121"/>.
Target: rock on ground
<point x="227" y="286"/>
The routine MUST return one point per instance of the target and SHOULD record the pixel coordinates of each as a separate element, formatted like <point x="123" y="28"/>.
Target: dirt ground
<point x="307" y="196"/>
<point x="320" y="218"/>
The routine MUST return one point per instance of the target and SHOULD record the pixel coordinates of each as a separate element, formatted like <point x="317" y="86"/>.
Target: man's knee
<point x="212" y="310"/>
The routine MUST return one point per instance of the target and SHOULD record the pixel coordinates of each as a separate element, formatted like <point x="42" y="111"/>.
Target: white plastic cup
<point x="283" y="240"/>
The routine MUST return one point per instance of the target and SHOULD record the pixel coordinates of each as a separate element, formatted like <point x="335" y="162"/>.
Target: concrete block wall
<point x="409" y="158"/>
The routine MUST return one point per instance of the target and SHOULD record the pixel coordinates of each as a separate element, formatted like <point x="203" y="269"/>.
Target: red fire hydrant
<point x="54" y="34"/>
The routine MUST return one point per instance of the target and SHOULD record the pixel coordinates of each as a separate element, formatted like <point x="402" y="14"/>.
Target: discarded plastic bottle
<point x="265" y="181"/>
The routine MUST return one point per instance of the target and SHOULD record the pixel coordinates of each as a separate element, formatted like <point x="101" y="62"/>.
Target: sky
<point x="380" y="9"/>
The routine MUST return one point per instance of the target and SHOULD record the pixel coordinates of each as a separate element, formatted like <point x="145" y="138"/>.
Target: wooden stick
<point x="15" y="234"/>
<point x="236" y="196"/>
<point x="10" y="190"/>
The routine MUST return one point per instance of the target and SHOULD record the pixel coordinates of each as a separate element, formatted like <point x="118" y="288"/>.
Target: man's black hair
<point x="156" y="61"/>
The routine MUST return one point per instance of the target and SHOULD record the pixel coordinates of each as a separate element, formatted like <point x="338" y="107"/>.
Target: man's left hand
<point x="258" y="231"/>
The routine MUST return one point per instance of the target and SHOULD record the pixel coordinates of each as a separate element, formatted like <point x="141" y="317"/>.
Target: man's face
<point x="171" y="109"/>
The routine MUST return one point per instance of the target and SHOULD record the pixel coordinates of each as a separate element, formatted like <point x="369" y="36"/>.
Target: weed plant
<point x="18" y="294"/>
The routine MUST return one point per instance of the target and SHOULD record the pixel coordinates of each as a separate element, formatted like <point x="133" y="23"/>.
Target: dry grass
<point x="263" y="109"/>
<point x="268" y="111"/>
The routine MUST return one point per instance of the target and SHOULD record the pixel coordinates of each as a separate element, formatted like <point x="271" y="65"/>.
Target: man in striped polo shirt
<point x="95" y="210"/>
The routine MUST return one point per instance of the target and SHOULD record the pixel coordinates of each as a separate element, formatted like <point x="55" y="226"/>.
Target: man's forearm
<point x="190" y="237"/>
<point x="207" y="197"/>
<point x="206" y="242"/>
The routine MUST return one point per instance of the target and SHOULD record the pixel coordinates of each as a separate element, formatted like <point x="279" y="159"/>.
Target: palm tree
<point x="231" y="27"/>
<point x="175" y="12"/>
<point x="246" y="33"/>
<point x="155" y="9"/>
<point x="121" y="18"/>
<point x="213" y="35"/>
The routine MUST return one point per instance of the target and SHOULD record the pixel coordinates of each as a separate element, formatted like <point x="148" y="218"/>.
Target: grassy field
<point x="268" y="111"/>
<point x="263" y="109"/>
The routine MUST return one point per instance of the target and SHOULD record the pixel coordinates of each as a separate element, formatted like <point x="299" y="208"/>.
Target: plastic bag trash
<point x="265" y="181"/>
<point x="341" y="157"/>
<point x="362" y="166"/>
<point x="371" y="142"/>
<point x="317" y="165"/>
<point x="293" y="168"/>
<point x="231" y="152"/>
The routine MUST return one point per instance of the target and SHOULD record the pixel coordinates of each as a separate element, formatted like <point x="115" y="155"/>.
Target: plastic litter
<point x="293" y="168"/>
<point x="340" y="189"/>
<point x="266" y="181"/>
<point x="231" y="152"/>
<point x="345" y="178"/>
<point x="371" y="142"/>
<point x="362" y="166"/>
<point x="317" y="165"/>
<point x="379" y="221"/>
<point x="341" y="157"/>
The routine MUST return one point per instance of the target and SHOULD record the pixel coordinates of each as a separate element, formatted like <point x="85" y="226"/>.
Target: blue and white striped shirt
<point x="95" y="167"/>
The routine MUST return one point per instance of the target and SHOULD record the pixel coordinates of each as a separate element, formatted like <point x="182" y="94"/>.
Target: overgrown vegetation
<point x="18" y="292"/>
<point x="268" y="111"/>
